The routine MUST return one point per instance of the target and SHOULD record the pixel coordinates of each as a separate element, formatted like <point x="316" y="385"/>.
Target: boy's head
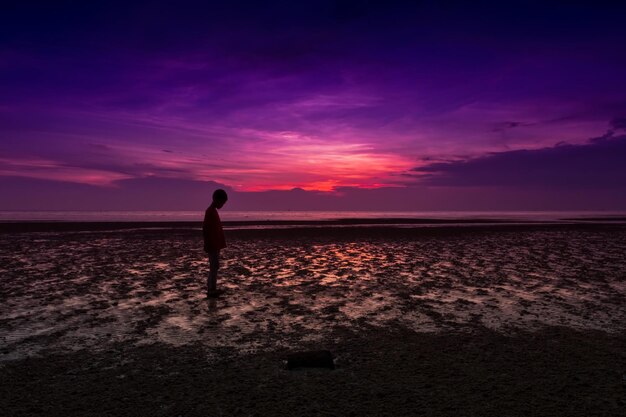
<point x="219" y="198"/>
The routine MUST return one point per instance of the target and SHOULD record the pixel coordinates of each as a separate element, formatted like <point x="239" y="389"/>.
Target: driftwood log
<point x="311" y="359"/>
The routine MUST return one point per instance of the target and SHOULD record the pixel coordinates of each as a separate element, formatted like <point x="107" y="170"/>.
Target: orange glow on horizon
<point x="291" y="161"/>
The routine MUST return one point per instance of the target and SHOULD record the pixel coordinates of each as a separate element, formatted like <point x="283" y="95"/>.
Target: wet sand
<point x="463" y="320"/>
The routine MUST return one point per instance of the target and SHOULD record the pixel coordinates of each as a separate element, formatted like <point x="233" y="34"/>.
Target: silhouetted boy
<point x="214" y="239"/>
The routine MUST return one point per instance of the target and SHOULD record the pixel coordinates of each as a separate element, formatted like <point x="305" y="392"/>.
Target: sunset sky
<point x="363" y="105"/>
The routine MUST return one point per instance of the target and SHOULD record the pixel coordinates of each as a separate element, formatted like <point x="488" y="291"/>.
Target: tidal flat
<point x="445" y="320"/>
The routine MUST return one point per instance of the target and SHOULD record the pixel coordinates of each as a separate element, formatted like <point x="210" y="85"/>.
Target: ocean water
<point x="232" y="215"/>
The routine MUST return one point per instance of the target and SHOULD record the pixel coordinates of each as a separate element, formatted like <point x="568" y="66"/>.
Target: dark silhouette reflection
<point x="214" y="240"/>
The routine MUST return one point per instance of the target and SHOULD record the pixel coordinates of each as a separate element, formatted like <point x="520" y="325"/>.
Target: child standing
<point x="214" y="239"/>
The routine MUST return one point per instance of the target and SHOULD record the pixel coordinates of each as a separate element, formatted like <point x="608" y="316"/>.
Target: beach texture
<point x="464" y="320"/>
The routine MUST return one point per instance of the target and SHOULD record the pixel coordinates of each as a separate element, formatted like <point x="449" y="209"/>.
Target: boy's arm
<point x="206" y="231"/>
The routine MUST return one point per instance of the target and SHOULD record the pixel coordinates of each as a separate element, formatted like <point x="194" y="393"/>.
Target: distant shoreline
<point x="72" y="226"/>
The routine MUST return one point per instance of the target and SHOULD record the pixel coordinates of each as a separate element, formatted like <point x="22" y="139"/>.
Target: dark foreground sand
<point x="554" y="372"/>
<point x="478" y="321"/>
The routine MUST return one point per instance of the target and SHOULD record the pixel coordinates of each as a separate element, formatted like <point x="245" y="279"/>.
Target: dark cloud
<point x="618" y="123"/>
<point x="501" y="127"/>
<point x="598" y="163"/>
<point x="210" y="61"/>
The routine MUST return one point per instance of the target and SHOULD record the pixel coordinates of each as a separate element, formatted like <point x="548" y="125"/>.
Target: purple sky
<point x="362" y="105"/>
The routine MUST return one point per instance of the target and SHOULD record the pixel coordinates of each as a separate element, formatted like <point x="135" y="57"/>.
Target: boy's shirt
<point x="212" y="230"/>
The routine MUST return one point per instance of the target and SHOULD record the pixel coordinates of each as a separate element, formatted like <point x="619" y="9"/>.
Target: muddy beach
<point x="468" y="320"/>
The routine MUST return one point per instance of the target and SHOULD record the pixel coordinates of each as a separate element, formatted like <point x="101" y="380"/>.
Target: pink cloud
<point x="51" y="170"/>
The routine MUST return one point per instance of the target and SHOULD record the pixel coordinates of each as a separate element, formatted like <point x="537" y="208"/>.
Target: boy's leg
<point x="214" y="265"/>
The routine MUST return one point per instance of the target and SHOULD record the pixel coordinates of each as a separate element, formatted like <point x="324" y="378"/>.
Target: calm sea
<point x="147" y="216"/>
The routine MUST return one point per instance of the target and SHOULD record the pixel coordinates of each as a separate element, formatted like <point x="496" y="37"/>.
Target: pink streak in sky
<point x="51" y="170"/>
